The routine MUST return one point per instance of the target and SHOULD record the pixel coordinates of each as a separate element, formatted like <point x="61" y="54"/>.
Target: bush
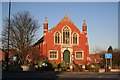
<point x="45" y="65"/>
<point x="40" y="62"/>
<point x="93" y="67"/>
<point x="64" y="66"/>
<point x="87" y="67"/>
<point x="54" y="65"/>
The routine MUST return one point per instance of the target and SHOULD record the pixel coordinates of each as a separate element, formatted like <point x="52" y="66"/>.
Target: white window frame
<point x="82" y="55"/>
<point x="59" y="38"/>
<point x="53" y="58"/>
<point x="69" y="33"/>
<point x="77" y="38"/>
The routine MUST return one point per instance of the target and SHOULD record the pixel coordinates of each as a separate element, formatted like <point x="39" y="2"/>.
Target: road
<point x="60" y="76"/>
<point x="89" y="75"/>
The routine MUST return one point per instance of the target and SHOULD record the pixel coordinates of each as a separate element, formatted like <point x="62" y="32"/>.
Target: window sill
<point x="78" y="58"/>
<point x="53" y="58"/>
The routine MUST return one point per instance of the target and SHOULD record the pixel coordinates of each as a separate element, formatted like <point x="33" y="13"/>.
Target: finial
<point x="45" y="21"/>
<point x="84" y="21"/>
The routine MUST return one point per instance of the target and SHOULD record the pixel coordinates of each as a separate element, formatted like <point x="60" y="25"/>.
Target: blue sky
<point x="101" y="18"/>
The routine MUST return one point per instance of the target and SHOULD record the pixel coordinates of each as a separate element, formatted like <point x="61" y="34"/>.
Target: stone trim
<point x="77" y="38"/>
<point x="82" y="55"/>
<point x="53" y="58"/>
<point x="69" y="32"/>
<point x="59" y="39"/>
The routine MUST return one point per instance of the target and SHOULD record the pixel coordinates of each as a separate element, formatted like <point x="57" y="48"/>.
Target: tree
<point x="115" y="56"/>
<point x="22" y="33"/>
<point x="34" y="54"/>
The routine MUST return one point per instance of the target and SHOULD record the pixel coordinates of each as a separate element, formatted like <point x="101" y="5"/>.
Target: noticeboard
<point x="108" y="55"/>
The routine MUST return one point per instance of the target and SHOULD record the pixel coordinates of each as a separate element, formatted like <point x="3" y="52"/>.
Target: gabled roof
<point x="64" y="19"/>
<point x="39" y="41"/>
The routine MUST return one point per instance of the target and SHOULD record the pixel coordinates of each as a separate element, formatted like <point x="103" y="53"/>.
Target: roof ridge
<point x="64" y="19"/>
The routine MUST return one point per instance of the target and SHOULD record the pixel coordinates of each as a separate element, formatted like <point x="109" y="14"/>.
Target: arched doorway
<point x="66" y="56"/>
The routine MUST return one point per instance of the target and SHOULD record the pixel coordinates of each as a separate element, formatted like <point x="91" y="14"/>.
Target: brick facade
<point x="64" y="42"/>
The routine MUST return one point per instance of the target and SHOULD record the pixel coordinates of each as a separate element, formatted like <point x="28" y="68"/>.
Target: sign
<point x="108" y="55"/>
<point x="14" y="58"/>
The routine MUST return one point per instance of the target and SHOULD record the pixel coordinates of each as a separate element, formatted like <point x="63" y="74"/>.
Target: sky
<point x="101" y="18"/>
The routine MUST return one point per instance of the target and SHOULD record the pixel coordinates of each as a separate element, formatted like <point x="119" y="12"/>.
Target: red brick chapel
<point x="64" y="42"/>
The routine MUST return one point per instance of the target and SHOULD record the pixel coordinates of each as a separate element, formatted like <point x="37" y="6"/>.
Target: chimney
<point x="45" y="25"/>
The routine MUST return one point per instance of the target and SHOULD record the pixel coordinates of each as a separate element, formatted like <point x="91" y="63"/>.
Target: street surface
<point x="60" y="76"/>
<point x="90" y="75"/>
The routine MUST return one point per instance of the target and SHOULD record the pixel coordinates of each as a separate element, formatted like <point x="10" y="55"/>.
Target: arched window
<point x="66" y="35"/>
<point x="74" y="38"/>
<point x="57" y="38"/>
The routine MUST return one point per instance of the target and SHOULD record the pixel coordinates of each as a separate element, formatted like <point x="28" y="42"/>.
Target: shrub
<point x="54" y="65"/>
<point x="64" y="66"/>
<point x="93" y="67"/>
<point x="40" y="62"/>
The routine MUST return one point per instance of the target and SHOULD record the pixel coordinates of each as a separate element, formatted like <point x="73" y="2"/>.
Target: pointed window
<point x="57" y="38"/>
<point x="74" y="38"/>
<point x="66" y="35"/>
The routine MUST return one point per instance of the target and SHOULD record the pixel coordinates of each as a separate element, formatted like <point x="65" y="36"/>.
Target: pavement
<point x="48" y="75"/>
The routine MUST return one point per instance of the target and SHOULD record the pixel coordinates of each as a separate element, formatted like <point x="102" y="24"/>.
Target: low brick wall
<point x="115" y="70"/>
<point x="112" y="70"/>
<point x="101" y="70"/>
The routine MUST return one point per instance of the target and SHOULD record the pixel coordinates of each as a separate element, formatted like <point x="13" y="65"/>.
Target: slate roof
<point x="39" y="41"/>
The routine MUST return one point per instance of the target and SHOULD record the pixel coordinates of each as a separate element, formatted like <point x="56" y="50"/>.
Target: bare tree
<point x="22" y="33"/>
<point x="34" y="54"/>
<point x="98" y="50"/>
<point x="115" y="56"/>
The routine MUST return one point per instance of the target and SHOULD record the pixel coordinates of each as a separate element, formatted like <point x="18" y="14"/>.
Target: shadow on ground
<point x="28" y="75"/>
<point x="51" y="75"/>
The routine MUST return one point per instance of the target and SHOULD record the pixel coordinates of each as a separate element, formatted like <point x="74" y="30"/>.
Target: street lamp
<point x="7" y="54"/>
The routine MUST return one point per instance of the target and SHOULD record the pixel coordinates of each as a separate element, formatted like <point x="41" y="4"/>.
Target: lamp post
<point x="7" y="54"/>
